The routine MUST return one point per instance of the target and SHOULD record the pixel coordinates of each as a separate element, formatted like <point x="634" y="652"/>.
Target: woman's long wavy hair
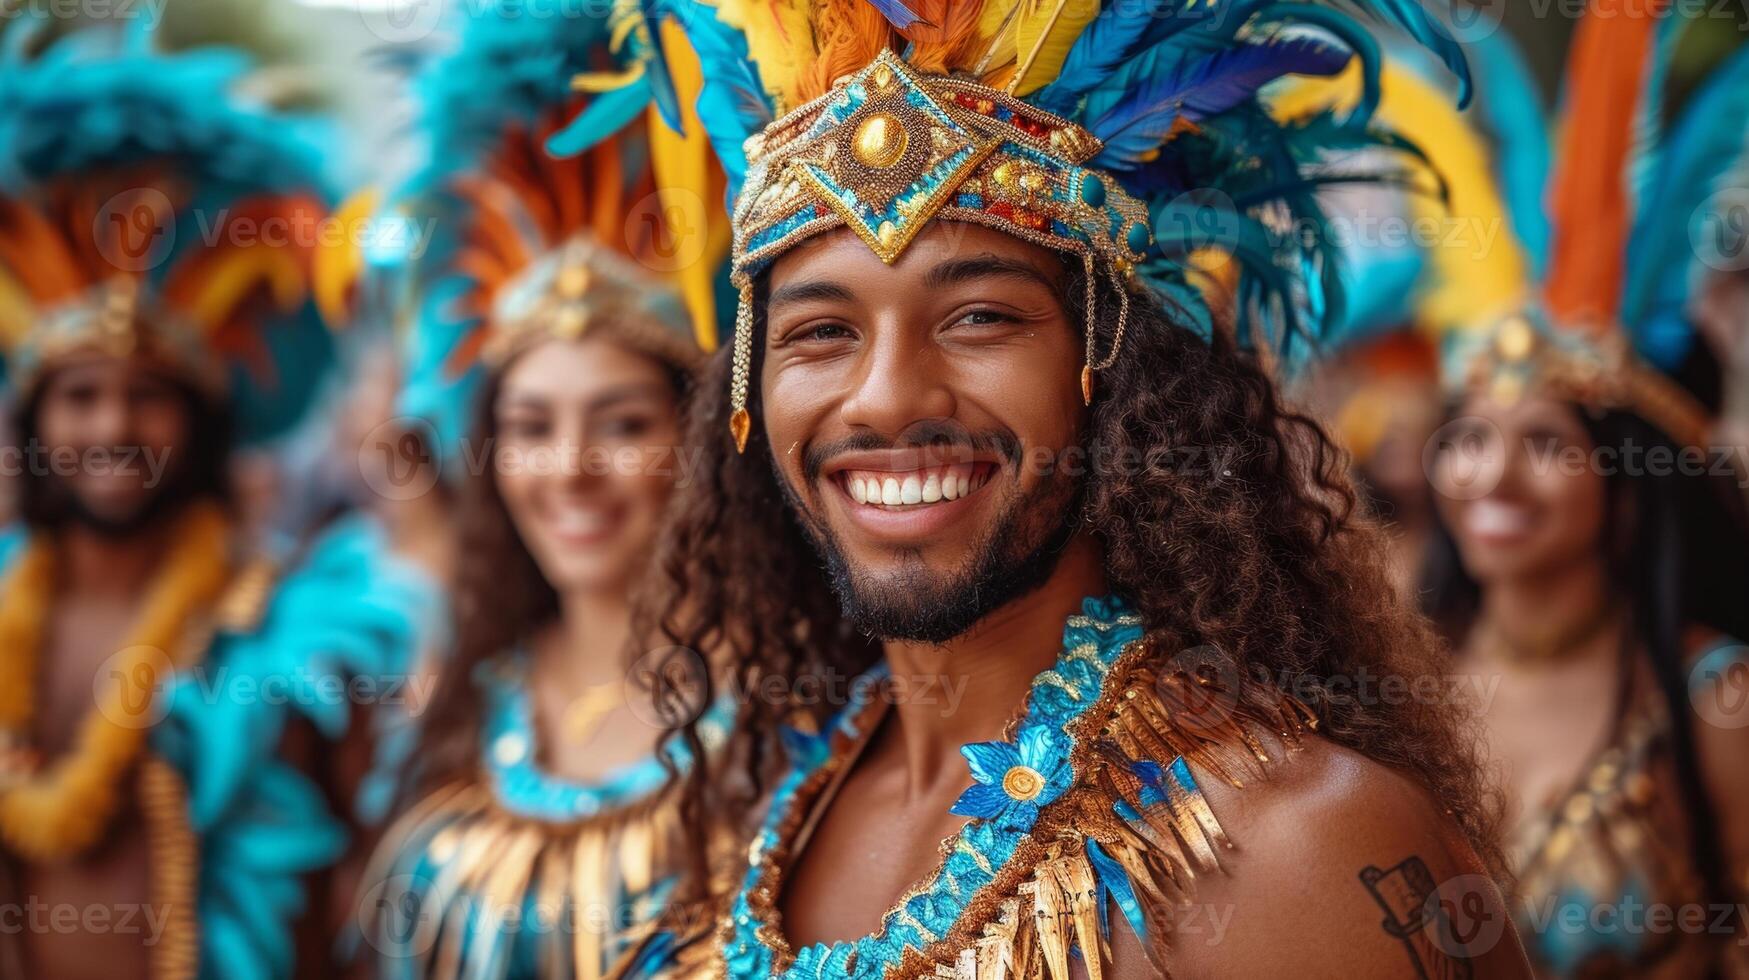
<point x="1677" y="550"/>
<point x="500" y="601"/>
<point x="1259" y="553"/>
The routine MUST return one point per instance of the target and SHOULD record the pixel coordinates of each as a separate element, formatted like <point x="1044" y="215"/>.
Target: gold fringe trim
<point x="1044" y="901"/>
<point x="585" y="878"/>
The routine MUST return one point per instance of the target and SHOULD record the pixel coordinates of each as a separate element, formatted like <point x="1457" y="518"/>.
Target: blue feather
<point x="1700" y="150"/>
<point x="732" y="105"/>
<point x="1510" y="109"/>
<point x="1208" y="87"/>
<point x="1118" y="34"/>
<point x="1413" y="18"/>
<point x="607" y="114"/>
<point x="656" y="72"/>
<point x="895" y="12"/>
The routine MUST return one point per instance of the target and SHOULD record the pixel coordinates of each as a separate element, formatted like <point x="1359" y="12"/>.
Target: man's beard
<point x="1014" y="558"/>
<point x="158" y="506"/>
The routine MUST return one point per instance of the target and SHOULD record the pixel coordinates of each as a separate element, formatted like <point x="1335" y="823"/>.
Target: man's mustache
<point x="939" y="434"/>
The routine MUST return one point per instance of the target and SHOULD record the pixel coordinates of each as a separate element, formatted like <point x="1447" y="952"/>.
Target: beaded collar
<point x="1062" y="813"/>
<point x="521" y="786"/>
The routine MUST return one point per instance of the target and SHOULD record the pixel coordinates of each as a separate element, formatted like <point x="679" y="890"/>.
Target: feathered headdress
<point x="1620" y="264"/>
<point x="542" y="229"/>
<point x="147" y="203"/>
<point x="1458" y="245"/>
<point x="1074" y="124"/>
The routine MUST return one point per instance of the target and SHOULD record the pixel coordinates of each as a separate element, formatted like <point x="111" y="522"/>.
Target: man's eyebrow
<point x="811" y="290"/>
<point x="984" y="267"/>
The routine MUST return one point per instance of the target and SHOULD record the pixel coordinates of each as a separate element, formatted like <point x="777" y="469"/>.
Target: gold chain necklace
<point x="57" y="810"/>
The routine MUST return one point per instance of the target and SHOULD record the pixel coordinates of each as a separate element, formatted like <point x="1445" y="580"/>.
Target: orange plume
<point x="1589" y="203"/>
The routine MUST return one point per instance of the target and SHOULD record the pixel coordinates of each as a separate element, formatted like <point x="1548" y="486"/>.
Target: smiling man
<point x="985" y="429"/>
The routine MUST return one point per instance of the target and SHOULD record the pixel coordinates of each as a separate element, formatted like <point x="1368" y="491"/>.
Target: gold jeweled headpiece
<point x="888" y="150"/>
<point x="1084" y="126"/>
<point x="1518" y="358"/>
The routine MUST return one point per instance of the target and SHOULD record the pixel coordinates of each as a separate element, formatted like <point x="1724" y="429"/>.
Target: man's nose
<point x="899" y="381"/>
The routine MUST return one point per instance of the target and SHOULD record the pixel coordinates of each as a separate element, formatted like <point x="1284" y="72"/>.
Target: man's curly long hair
<point x="1259" y="554"/>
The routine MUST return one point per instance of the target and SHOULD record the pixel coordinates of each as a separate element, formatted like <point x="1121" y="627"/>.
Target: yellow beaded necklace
<point x="58" y="810"/>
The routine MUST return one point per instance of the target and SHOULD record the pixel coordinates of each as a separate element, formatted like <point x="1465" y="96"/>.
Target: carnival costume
<point x="511" y="870"/>
<point x="1601" y="323"/>
<point x="139" y="191"/>
<point x="1126" y="136"/>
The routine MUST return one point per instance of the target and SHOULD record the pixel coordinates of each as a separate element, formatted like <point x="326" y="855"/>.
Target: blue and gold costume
<point x="1132" y="139"/>
<point x="507" y="869"/>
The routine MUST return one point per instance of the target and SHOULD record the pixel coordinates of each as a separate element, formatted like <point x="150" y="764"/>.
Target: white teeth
<point x="580" y="522"/>
<point x="924" y="486"/>
<point x="1489" y="517"/>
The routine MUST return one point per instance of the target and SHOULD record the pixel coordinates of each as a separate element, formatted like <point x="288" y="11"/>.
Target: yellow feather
<point x="15" y="311"/>
<point x="337" y="265"/>
<point x="683" y="178"/>
<point x="1044" y="33"/>
<point x="997" y="23"/>
<point x="229" y="281"/>
<point x="780" y="40"/>
<point x="1478" y="270"/>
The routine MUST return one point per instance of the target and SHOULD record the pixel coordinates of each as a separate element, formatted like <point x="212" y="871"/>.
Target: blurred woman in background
<point x="1592" y="559"/>
<point x="538" y="834"/>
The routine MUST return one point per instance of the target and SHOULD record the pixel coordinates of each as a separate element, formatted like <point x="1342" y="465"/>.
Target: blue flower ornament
<point x="1015" y="780"/>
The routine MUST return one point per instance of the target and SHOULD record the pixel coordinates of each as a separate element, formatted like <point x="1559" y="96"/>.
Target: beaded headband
<point x="889" y="150"/>
<point x="581" y="287"/>
<point x="1518" y="358"/>
<point x="111" y="317"/>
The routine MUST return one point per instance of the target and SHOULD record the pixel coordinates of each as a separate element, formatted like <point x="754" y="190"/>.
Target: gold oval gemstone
<point x="1023" y="783"/>
<point x="888" y="233"/>
<point x="1515" y="339"/>
<point x="880" y="141"/>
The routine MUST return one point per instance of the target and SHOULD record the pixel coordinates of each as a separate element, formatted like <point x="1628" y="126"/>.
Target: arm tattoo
<point x="1406" y="893"/>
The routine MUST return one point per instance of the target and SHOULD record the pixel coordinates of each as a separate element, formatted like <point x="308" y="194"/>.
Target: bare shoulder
<point x="1339" y="866"/>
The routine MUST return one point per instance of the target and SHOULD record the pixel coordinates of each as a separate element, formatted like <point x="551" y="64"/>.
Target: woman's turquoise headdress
<point x="534" y="230"/>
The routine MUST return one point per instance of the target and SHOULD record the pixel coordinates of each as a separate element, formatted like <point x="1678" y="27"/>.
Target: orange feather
<point x="1589" y="199"/>
<point x="848" y="35"/>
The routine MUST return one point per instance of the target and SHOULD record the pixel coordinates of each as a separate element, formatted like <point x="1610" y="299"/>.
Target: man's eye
<point x="985" y="318"/>
<point x="825" y="331"/>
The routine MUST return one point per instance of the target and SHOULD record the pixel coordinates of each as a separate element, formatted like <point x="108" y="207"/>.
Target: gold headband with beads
<point x="889" y="150"/>
<point x="1517" y="358"/>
